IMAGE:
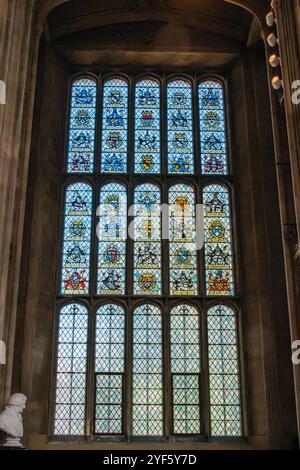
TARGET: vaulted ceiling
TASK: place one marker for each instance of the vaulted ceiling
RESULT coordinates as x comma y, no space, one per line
155,33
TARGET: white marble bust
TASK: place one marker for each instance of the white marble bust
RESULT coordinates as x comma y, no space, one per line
11,421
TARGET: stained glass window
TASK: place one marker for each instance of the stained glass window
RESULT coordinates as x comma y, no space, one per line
77,239
212,128
180,127
147,371
82,126
115,126
185,369
218,240
71,367
147,126
182,241
109,368
224,383
153,151
112,233
147,245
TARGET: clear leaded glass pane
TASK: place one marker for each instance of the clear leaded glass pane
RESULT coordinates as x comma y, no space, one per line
180,127
147,371
225,406
147,240
112,233
185,369
218,241
115,126
82,126
77,239
212,128
147,126
182,242
71,369
109,368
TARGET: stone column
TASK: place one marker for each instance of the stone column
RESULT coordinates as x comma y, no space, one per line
18,48
286,13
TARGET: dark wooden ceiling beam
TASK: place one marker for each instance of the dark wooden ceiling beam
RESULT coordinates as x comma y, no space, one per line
158,60
127,15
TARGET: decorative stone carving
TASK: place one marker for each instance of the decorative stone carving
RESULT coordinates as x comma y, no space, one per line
11,421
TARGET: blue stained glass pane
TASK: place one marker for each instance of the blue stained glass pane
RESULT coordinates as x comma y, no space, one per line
182,242
218,241
147,240
82,126
224,383
147,372
77,239
70,395
147,127
115,126
180,127
112,233
212,128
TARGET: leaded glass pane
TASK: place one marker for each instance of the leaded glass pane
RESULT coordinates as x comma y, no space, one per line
147,372
112,233
212,128
147,126
186,404
185,369
82,126
77,239
147,244
218,241
109,368
115,126
110,334
180,127
225,404
182,241
71,369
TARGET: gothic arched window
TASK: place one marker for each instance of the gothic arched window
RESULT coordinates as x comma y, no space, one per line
147,302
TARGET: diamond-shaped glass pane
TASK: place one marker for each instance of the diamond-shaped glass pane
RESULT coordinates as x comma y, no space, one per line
71,371
225,406
185,368
147,371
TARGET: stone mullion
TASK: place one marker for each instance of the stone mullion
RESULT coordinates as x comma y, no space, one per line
15,55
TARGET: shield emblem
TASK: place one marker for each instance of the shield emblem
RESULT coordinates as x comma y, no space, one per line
183,256
217,229
212,120
83,118
147,162
147,282
111,255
